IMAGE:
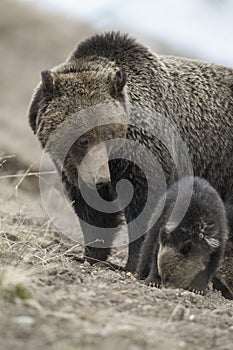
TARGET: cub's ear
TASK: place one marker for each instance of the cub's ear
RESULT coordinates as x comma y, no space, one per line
163,235
118,81
186,247
43,94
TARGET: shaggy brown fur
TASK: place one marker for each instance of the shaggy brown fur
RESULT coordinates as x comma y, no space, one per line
224,276
188,252
196,97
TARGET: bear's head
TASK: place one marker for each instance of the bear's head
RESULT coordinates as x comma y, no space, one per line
75,109
185,253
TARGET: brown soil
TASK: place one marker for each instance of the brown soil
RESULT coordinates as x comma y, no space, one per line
49,297
72,305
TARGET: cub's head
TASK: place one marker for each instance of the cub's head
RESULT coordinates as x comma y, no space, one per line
75,109
184,254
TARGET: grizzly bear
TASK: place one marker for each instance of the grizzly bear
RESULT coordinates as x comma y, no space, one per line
127,102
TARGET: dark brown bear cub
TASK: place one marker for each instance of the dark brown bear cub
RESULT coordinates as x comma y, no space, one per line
186,254
223,279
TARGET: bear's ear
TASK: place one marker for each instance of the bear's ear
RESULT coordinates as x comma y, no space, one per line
118,81
50,83
44,93
47,82
163,235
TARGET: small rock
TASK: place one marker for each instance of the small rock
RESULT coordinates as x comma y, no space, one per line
177,314
104,333
86,264
24,320
182,344
191,318
128,301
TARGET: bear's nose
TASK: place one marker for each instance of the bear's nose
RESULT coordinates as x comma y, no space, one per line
103,176
102,181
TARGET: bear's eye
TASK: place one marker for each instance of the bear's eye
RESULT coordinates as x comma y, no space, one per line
186,247
110,135
84,141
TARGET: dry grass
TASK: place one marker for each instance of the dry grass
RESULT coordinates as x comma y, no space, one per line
51,298
4,158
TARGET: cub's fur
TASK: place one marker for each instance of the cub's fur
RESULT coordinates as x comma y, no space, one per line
223,279
186,254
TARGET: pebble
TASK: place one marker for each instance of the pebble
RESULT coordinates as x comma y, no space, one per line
104,333
191,318
177,314
182,344
24,320
129,301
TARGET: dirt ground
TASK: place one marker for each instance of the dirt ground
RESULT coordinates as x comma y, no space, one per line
49,297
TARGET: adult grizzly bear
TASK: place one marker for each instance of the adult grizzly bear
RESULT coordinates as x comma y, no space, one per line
194,96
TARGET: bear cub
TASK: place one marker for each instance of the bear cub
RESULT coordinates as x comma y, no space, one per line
223,279
186,254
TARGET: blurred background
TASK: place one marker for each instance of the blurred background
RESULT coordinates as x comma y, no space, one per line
38,34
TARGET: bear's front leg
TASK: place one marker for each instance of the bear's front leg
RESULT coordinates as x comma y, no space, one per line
98,227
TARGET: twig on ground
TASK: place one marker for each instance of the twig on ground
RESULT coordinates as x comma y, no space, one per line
3,159
11,176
